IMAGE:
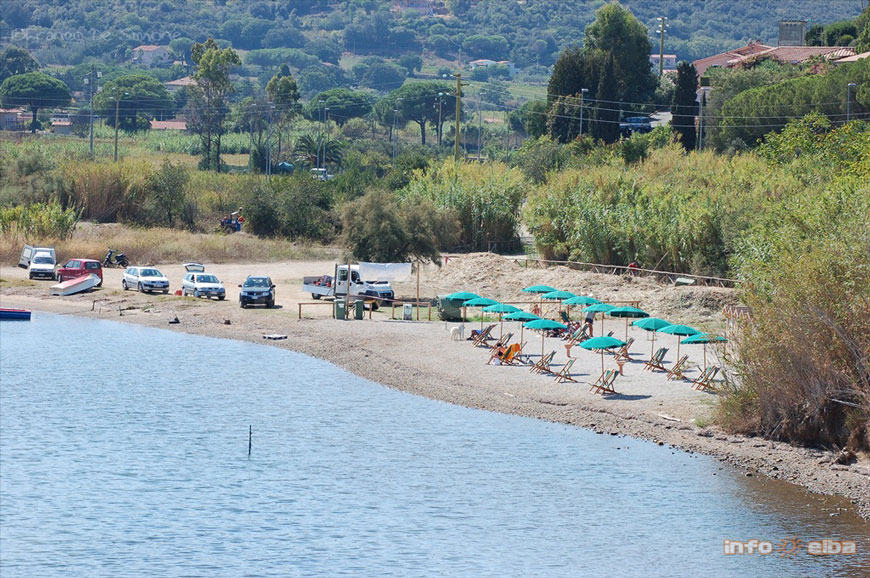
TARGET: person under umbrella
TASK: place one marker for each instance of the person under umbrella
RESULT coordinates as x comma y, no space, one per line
480,302
599,308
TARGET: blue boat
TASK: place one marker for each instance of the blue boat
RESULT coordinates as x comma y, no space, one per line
14,314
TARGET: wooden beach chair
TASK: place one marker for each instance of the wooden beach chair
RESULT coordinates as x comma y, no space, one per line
543,364
622,352
676,372
657,361
565,373
504,354
517,357
704,382
604,383
502,341
481,338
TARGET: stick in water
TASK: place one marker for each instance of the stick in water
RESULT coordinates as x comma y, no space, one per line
250,435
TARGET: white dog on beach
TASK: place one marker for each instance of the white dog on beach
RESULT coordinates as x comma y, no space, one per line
457,333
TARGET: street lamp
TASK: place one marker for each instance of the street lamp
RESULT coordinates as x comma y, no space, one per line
117,105
583,92
849,88
663,26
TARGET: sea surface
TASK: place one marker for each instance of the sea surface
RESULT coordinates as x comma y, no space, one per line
124,452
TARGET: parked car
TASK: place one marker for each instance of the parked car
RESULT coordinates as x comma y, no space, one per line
79,267
144,280
203,285
633,124
257,289
41,265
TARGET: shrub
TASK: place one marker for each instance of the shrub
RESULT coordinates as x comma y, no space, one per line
38,221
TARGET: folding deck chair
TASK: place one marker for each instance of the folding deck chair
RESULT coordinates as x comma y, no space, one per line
604,383
704,382
657,361
502,342
505,356
481,338
676,372
622,352
565,373
543,364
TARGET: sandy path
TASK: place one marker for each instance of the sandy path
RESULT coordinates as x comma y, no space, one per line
421,358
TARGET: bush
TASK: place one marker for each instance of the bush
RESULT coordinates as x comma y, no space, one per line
296,207
38,221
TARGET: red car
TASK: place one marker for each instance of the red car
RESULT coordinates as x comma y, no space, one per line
78,267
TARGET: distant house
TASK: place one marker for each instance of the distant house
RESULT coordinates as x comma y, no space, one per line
61,126
853,58
14,119
151,55
175,85
724,58
481,63
178,124
797,54
670,61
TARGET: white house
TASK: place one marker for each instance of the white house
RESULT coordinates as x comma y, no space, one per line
151,55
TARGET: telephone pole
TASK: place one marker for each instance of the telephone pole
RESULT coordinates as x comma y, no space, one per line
663,24
92,80
459,85
117,104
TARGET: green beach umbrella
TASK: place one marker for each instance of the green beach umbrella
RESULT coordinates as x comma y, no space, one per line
601,343
521,316
581,300
599,308
703,339
651,324
501,309
543,324
539,289
462,296
628,313
558,296
480,302
679,330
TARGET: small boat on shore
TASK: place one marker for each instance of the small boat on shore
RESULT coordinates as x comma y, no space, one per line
14,314
77,285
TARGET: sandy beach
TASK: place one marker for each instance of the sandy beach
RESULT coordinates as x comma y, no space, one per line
422,359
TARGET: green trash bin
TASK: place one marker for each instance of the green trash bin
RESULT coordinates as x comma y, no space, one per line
359,309
340,309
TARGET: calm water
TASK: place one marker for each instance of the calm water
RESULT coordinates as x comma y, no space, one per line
140,468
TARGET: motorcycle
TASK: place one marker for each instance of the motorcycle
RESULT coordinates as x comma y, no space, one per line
114,257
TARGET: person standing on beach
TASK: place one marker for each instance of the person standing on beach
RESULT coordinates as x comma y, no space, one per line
590,319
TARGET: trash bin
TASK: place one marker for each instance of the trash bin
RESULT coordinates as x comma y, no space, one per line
359,309
407,312
340,309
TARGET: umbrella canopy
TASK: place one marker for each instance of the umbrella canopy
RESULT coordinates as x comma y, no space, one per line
603,342
703,339
651,324
501,308
558,295
543,324
628,313
539,289
581,300
480,302
599,308
521,316
681,330
462,296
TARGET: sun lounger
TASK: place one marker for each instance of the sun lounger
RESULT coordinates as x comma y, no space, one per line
622,352
565,373
504,355
657,361
676,372
604,383
517,357
480,338
543,364
704,382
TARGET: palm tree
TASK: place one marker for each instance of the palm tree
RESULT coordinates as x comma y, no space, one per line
310,148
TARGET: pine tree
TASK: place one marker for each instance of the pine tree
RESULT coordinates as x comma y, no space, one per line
684,105
606,117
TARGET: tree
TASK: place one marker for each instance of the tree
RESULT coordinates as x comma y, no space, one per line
140,98
325,50
684,106
563,119
284,95
418,102
180,47
383,77
15,60
36,90
343,104
411,63
534,115
606,114
207,100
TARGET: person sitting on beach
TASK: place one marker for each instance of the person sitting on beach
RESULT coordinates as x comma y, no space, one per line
497,355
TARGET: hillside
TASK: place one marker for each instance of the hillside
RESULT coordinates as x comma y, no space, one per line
529,33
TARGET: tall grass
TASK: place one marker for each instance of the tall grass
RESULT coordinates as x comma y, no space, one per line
38,221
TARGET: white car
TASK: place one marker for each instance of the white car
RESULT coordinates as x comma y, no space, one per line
203,285
41,265
145,280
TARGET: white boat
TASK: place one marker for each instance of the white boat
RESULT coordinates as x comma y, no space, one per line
77,285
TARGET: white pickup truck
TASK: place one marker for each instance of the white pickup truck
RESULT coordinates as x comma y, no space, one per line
332,285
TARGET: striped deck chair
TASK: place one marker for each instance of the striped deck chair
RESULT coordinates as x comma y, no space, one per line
543,364
503,353
604,383
676,372
517,358
480,338
622,352
657,361
565,373
704,382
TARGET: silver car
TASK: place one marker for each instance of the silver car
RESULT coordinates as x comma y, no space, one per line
203,285
145,280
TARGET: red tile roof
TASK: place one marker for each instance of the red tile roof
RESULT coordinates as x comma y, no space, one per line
168,125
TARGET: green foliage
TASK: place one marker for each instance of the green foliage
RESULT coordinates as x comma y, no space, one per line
486,198
296,207
383,77
377,228
684,108
416,100
15,60
534,118
139,97
36,90
343,104
39,221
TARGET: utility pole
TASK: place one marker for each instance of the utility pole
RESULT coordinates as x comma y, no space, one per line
458,76
583,92
440,94
663,24
91,79
269,142
849,88
479,127
117,104
396,131
702,101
